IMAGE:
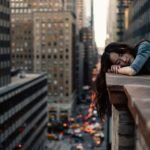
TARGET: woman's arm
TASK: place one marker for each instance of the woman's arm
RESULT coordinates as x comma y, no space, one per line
142,56
124,70
127,71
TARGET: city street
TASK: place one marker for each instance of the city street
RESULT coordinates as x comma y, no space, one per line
57,145
84,131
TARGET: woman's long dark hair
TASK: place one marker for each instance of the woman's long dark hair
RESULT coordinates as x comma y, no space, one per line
102,99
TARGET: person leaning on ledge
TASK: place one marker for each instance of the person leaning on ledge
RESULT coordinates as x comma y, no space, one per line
120,58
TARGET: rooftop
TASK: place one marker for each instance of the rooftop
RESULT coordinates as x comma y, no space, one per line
19,80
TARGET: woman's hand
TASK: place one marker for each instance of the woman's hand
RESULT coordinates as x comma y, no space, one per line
114,68
122,70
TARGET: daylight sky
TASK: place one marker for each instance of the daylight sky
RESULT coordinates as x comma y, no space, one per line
100,20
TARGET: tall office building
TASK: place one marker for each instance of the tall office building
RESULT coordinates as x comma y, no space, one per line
22,42
122,18
23,113
54,53
89,53
79,53
80,13
69,5
111,22
46,44
122,23
4,43
139,21
117,22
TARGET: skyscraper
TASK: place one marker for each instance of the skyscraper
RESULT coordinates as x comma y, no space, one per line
46,44
89,53
23,113
118,20
138,22
122,18
4,43
22,35
90,57
112,22
80,13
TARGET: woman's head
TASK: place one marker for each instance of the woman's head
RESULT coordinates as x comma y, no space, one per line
122,60
114,54
118,54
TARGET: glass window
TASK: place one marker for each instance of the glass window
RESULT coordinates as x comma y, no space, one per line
49,25
43,25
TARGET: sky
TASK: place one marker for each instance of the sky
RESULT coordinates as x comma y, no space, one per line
100,20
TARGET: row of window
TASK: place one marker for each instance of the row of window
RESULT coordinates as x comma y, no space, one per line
35,4
37,129
25,124
54,56
49,50
4,23
13,101
4,30
58,19
29,11
4,6
51,24
4,50
41,131
4,64
21,88
25,44
42,43
4,43
43,18
22,117
4,37
4,79
27,53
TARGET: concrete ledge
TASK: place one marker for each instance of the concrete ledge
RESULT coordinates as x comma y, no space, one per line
130,97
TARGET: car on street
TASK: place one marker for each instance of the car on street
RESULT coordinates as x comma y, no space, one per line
52,136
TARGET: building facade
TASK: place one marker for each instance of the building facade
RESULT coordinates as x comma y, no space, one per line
139,22
22,30
4,43
126,17
23,113
22,42
111,22
54,53
117,20
122,18
46,44
79,75
87,36
80,13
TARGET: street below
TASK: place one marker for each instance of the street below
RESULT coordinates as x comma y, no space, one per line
82,131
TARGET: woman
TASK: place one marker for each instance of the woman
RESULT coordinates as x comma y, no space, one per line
121,59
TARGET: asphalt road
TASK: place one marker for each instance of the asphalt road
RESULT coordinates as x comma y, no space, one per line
70,142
